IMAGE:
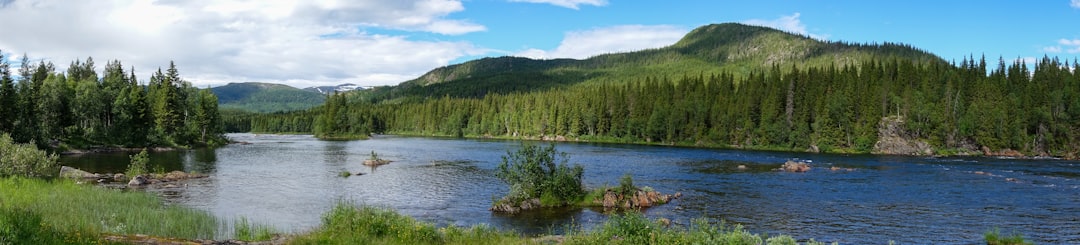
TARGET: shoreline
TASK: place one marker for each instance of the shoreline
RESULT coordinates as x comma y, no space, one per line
1002,154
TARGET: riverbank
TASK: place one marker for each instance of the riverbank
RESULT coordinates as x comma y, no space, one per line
946,152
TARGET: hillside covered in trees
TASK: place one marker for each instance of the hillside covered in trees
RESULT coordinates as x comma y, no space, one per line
728,85
265,97
80,109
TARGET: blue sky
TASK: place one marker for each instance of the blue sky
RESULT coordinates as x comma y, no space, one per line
384,42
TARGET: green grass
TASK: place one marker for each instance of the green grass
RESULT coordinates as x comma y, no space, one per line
246,231
350,224
994,237
67,208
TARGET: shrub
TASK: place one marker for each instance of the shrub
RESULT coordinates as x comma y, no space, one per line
24,159
138,163
537,171
626,185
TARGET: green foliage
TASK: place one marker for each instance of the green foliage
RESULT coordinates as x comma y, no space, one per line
24,159
87,210
350,224
539,172
374,156
344,174
994,237
626,185
139,164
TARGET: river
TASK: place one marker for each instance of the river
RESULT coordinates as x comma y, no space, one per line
289,181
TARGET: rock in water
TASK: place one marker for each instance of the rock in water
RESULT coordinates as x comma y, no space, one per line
377,162
797,167
139,181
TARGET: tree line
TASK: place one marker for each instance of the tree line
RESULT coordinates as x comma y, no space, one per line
963,106
78,108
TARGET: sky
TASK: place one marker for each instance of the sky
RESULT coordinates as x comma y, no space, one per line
305,43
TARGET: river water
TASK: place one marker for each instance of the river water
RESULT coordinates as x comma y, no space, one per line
289,181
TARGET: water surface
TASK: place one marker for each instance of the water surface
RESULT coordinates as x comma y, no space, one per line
289,181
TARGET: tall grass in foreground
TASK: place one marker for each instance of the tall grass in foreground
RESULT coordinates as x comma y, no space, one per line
66,207
350,224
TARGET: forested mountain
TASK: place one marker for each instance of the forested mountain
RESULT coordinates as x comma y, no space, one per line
730,85
731,48
266,97
81,109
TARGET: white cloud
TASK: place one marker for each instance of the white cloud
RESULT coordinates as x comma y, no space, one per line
1071,46
297,42
1075,4
584,44
1052,49
573,4
790,23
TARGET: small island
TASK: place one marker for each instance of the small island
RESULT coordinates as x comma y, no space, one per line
539,177
374,160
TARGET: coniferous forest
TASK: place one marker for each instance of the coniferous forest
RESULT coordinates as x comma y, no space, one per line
80,109
960,108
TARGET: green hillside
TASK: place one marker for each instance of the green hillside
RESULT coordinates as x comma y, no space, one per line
265,97
731,85
719,48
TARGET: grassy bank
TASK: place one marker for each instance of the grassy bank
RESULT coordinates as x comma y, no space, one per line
61,209
350,224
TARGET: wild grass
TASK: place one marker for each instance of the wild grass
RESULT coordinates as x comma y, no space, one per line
244,230
994,237
347,223
66,208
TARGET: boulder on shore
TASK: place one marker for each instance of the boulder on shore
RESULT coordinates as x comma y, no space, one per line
895,139
74,173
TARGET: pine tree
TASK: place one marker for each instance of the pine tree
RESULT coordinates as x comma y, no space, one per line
8,97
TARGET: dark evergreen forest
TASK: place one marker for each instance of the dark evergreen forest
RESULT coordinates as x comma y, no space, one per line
80,109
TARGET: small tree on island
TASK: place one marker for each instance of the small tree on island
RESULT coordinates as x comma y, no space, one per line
539,172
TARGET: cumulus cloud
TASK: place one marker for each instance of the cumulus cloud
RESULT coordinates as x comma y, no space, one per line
301,43
1075,4
1052,49
790,23
584,44
573,4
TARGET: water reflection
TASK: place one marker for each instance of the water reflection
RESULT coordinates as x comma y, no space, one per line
280,180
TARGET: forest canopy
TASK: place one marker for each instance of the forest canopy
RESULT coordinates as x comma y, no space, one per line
79,109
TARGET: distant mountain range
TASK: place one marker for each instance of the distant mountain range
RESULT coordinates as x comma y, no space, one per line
345,87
